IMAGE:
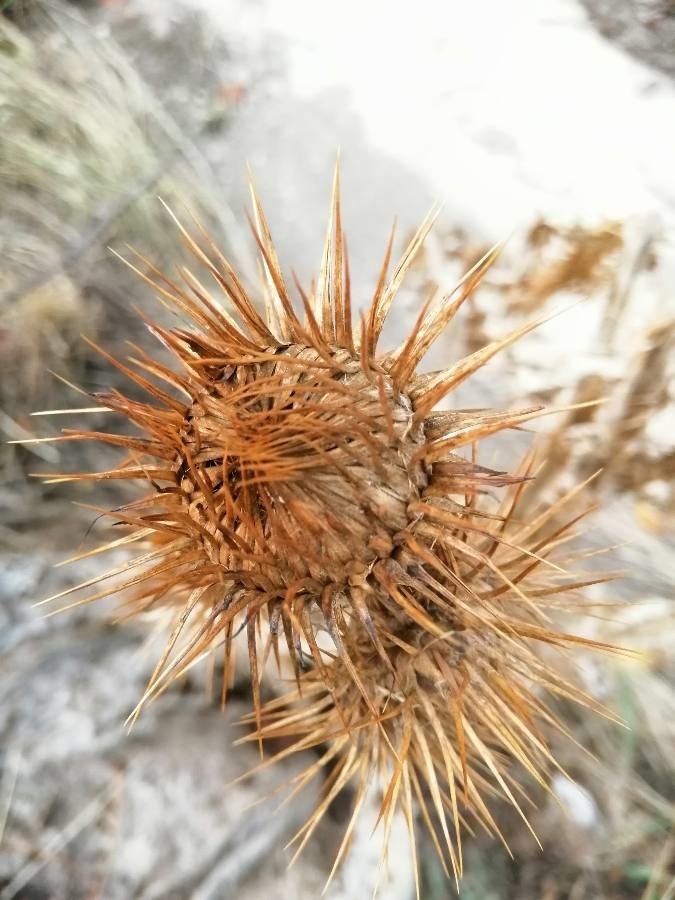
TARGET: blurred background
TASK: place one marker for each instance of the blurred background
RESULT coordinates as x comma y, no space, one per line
547,122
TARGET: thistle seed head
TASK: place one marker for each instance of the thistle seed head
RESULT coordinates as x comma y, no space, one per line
300,485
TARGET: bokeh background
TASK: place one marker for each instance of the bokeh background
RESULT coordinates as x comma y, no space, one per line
548,122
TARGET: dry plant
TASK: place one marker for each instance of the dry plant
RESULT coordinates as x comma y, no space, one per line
301,487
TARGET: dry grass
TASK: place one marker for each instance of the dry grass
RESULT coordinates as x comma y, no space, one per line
85,150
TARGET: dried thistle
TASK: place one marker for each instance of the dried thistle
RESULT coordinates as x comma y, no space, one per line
300,486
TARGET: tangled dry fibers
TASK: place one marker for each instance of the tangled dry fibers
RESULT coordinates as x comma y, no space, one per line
300,488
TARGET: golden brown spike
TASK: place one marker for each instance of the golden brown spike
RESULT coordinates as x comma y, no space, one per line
384,297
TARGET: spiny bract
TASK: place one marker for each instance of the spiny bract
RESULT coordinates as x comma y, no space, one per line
300,486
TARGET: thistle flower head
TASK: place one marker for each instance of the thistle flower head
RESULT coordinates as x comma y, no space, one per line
299,485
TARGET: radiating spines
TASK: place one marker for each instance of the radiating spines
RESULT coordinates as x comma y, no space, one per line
458,703
299,494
